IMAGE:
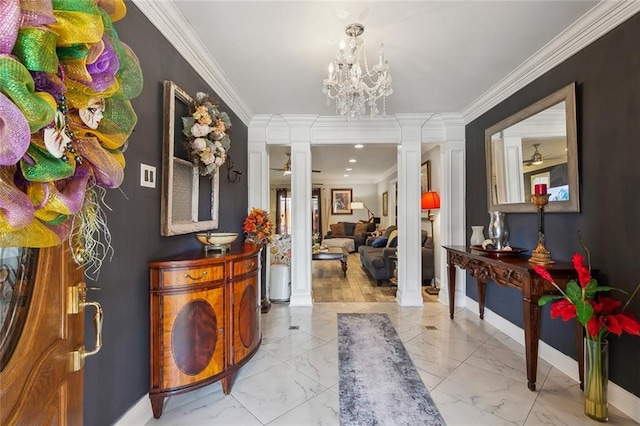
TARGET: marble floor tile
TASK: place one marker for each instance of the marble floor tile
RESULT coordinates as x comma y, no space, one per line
495,394
213,409
459,413
273,392
321,363
501,359
474,373
287,346
321,410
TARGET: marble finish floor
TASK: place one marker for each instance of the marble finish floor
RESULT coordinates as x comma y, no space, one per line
474,373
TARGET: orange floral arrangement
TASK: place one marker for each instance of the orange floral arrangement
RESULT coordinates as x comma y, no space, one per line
258,227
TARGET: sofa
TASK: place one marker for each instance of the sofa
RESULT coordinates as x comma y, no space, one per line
358,232
376,261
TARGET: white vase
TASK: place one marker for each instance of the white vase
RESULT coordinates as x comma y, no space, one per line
477,235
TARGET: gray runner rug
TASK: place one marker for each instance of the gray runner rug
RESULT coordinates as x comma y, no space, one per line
379,384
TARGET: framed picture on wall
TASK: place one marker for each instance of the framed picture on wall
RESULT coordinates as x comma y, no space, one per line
385,203
341,201
425,176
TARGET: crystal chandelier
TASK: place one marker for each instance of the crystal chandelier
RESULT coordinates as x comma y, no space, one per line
352,86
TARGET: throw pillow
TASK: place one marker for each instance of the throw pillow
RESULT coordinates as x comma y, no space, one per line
349,227
379,242
392,236
393,242
361,228
337,228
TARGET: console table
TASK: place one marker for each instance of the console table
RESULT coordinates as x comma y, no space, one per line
516,272
205,319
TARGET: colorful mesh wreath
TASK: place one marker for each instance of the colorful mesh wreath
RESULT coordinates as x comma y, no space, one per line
61,64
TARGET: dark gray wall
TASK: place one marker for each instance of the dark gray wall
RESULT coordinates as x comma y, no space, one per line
118,376
608,110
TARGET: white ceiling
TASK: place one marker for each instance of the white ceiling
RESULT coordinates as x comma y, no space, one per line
267,57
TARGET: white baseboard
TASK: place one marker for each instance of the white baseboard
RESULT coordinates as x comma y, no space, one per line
139,414
622,399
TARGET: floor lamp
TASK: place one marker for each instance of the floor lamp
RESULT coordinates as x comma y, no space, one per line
431,201
357,205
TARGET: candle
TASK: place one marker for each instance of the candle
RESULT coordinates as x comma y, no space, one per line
540,188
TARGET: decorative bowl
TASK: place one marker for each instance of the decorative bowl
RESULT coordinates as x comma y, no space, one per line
216,238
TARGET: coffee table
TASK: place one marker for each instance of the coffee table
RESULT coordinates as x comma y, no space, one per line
333,253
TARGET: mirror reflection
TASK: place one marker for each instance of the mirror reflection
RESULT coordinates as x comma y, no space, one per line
534,146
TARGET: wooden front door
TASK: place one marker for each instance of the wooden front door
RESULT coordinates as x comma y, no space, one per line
37,383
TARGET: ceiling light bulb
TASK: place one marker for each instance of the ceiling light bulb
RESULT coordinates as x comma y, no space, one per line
353,160
348,169
345,175
358,146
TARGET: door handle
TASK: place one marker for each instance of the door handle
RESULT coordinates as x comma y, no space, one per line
76,303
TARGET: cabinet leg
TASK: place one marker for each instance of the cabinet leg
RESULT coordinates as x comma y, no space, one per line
156,405
227,382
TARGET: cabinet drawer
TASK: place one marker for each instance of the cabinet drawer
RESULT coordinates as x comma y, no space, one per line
244,266
175,277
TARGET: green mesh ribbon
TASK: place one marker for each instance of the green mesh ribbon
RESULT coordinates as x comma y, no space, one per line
36,49
46,167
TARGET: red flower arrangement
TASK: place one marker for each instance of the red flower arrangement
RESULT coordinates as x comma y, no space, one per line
599,315
258,227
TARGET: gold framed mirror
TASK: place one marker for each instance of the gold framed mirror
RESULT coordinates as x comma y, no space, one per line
536,145
183,210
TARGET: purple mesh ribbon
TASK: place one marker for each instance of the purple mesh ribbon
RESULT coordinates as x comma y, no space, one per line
104,69
14,132
9,23
36,12
15,206
49,83
71,191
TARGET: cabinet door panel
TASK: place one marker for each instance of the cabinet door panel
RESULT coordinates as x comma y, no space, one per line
246,317
193,337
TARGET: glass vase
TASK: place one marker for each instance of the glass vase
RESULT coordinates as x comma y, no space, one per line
596,380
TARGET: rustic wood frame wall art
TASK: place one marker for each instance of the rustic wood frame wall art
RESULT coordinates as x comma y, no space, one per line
181,205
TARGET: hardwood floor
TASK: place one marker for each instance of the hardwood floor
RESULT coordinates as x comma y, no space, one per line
329,284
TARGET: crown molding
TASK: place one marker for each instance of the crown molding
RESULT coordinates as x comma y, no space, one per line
598,21
167,19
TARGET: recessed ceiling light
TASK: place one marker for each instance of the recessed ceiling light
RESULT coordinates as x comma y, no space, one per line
348,169
359,146
353,160
345,175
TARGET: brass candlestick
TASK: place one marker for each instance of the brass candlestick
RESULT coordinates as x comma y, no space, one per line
540,255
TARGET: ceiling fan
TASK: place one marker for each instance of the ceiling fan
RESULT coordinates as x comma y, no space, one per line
286,168
537,158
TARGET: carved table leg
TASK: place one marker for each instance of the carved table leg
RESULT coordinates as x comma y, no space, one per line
482,291
452,288
344,265
531,312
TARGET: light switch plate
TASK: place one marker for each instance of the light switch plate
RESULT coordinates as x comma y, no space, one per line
147,176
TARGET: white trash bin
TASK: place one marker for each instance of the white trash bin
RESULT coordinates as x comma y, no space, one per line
280,283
